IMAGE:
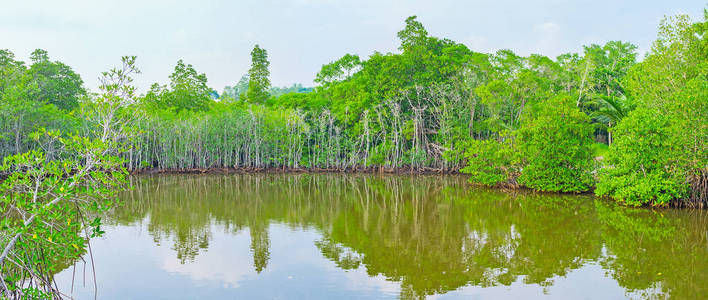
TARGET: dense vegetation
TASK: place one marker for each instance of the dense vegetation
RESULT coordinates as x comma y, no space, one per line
52,196
435,105
600,120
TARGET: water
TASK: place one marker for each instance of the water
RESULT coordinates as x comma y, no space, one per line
333,236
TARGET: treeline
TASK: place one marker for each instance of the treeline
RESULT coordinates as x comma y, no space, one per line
633,131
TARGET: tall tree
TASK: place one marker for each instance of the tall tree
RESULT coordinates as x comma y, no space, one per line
258,76
413,35
56,82
189,88
340,69
21,107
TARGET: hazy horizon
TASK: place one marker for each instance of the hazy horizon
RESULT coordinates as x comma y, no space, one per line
300,36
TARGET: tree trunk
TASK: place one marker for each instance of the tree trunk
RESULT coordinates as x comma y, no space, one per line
471,124
18,130
609,134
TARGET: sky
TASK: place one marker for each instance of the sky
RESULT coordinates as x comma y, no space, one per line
216,37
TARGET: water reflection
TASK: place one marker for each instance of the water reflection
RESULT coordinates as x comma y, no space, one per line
430,235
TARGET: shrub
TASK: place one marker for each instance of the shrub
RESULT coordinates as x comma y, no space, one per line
640,168
555,142
492,162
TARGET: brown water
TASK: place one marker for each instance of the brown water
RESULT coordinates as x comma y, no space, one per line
333,236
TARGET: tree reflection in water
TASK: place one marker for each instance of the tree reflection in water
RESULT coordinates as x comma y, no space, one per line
431,234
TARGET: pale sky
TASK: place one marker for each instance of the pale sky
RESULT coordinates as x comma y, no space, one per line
301,35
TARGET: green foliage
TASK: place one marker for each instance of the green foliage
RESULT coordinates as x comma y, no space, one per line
608,64
295,88
637,173
234,92
555,145
502,118
660,155
338,70
599,150
56,82
51,205
434,105
610,110
258,76
21,110
188,90
306,101
492,162
51,199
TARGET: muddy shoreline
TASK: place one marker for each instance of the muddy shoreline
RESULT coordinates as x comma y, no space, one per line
243,170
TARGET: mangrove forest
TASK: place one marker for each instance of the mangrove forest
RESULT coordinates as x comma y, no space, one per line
448,172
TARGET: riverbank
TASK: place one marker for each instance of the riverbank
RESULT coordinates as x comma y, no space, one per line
248,170
380,170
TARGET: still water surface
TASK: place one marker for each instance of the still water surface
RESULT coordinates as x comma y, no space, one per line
333,236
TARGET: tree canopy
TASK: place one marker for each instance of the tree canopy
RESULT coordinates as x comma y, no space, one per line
258,76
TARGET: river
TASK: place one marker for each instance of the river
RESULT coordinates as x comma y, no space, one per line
337,236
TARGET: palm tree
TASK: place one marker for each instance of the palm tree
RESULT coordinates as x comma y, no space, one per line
609,111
